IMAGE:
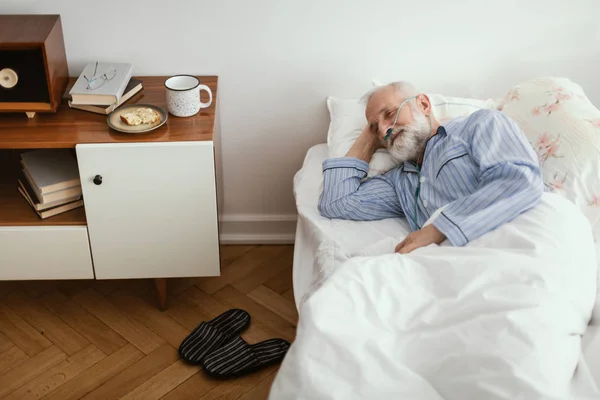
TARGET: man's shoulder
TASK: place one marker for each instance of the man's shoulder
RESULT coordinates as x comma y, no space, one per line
485,114
478,120
480,115
481,124
491,120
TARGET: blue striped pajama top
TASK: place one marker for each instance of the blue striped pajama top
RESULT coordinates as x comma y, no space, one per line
480,167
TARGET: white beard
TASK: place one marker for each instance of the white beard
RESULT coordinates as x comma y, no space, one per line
409,144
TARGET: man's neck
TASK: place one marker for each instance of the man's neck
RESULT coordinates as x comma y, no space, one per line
435,126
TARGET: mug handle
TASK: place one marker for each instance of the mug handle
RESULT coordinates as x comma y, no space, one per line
209,102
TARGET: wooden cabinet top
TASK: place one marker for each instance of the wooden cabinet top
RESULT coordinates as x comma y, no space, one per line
68,127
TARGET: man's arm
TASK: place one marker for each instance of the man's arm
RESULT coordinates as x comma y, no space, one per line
365,145
510,180
345,197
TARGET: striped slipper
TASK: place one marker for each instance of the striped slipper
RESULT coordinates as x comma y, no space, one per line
210,335
238,358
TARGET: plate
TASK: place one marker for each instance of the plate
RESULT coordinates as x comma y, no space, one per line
115,122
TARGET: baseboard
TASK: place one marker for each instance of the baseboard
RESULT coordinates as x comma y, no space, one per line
257,239
257,229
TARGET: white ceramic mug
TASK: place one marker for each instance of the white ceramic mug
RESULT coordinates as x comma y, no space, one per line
183,95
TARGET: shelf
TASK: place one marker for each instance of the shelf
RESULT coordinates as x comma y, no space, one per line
14,209
68,127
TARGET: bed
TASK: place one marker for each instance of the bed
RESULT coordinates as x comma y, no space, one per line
320,241
361,337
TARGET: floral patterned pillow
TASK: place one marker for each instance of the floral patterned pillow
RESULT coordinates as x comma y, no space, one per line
563,127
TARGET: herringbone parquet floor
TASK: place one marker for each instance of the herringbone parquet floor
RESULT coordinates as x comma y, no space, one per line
103,340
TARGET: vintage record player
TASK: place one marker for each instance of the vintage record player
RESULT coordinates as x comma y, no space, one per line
33,63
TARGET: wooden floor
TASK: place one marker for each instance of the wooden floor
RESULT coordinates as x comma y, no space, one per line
107,340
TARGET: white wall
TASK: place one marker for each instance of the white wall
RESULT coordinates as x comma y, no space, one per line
277,61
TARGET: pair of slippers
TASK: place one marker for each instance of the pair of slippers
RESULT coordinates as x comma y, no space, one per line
216,345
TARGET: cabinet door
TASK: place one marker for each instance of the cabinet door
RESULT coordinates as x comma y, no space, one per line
151,209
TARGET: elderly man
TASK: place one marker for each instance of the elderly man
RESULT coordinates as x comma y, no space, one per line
479,170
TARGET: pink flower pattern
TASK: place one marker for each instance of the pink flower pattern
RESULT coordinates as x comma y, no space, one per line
513,94
546,108
557,183
546,146
563,96
595,122
543,140
557,95
552,107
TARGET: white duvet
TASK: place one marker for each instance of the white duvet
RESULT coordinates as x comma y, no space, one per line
501,318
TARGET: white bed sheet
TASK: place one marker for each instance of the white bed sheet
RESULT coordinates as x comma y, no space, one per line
318,237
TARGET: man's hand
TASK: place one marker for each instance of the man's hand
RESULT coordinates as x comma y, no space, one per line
365,145
423,237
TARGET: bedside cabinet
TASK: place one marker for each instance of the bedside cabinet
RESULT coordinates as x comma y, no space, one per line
150,200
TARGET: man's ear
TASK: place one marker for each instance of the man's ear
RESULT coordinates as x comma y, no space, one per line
424,104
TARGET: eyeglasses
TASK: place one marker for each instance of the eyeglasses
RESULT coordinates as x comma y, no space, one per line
98,80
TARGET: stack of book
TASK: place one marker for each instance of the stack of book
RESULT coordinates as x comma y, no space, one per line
49,181
102,87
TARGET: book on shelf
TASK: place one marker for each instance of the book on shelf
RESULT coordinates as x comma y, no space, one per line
51,169
109,83
59,195
46,212
49,181
31,196
134,87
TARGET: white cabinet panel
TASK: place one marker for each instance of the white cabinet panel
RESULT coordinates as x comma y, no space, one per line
154,212
44,252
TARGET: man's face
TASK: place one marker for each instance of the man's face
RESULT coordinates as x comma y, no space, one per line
409,133
382,108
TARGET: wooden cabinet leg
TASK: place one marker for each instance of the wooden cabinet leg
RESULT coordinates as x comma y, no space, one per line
161,290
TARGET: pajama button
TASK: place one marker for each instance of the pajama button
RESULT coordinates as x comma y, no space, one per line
425,203
422,179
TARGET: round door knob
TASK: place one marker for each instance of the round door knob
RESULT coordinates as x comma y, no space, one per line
98,179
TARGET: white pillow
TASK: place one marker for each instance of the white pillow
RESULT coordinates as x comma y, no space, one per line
563,127
446,108
347,120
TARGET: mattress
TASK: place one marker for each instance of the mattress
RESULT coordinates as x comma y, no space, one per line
318,237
